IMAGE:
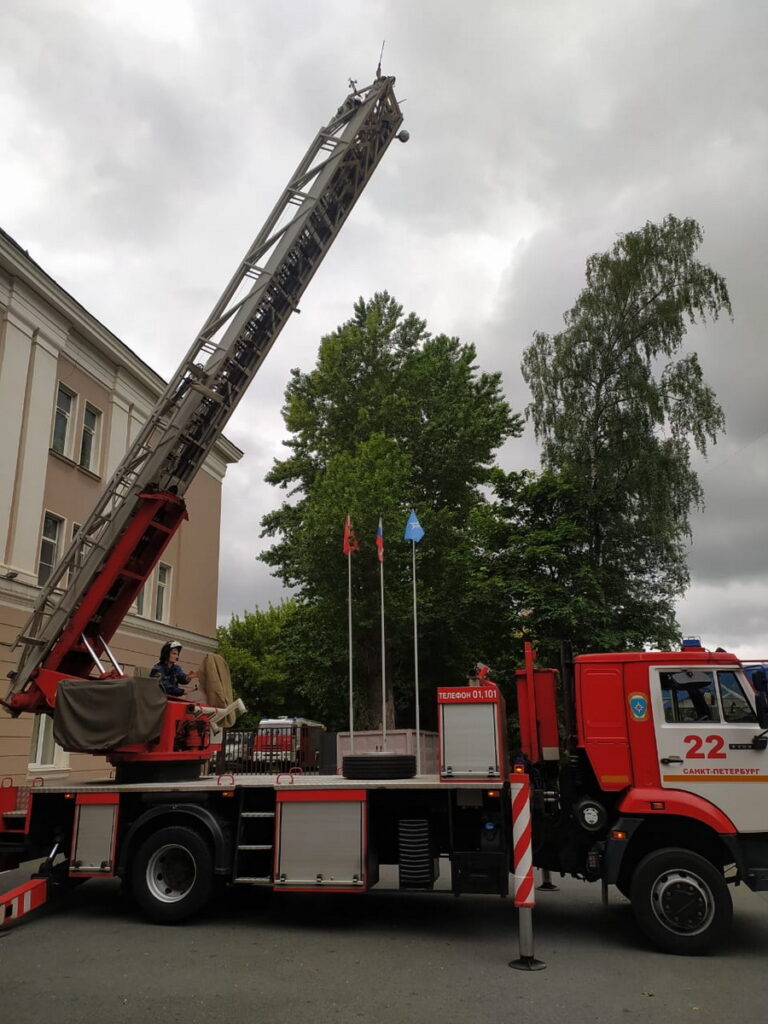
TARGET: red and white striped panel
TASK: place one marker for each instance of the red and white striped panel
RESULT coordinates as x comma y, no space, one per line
522,855
22,900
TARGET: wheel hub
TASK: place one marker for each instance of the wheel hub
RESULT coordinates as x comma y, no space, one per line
682,902
170,873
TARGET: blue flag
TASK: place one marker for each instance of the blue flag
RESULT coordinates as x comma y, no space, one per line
413,529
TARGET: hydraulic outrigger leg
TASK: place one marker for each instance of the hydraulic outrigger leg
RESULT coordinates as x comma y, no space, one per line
523,863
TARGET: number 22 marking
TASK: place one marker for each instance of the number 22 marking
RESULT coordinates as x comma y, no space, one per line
696,743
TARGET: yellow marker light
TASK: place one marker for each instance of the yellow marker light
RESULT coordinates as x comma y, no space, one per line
618,834
519,769
657,805
492,792
228,792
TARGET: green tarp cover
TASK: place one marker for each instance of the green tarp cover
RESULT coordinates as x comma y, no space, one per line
101,714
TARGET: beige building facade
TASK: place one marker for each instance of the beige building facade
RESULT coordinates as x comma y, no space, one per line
72,399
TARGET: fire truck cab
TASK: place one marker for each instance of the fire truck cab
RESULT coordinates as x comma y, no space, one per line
659,789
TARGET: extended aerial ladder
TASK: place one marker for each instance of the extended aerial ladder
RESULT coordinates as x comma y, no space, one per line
167,831
97,580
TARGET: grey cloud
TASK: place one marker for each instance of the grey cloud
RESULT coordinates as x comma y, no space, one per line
143,162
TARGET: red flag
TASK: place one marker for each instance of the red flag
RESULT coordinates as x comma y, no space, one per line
351,543
380,541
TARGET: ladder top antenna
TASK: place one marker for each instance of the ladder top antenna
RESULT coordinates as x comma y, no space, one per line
381,54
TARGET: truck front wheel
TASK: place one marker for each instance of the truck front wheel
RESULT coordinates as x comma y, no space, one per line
172,874
681,901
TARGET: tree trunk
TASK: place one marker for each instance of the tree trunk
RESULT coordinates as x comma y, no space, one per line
370,713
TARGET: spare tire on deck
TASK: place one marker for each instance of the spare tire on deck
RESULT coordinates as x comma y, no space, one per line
381,765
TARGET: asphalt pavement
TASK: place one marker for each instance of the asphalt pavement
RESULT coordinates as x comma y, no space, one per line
374,958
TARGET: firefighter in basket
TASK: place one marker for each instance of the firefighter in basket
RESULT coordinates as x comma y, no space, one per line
173,679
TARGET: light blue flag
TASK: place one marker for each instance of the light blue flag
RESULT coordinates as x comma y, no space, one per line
413,529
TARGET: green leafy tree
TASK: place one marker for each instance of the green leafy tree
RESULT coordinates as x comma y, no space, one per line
617,408
253,645
542,578
390,418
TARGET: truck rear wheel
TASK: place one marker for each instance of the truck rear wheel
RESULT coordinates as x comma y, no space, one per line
172,874
681,901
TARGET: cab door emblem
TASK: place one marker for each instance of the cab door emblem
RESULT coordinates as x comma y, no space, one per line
638,705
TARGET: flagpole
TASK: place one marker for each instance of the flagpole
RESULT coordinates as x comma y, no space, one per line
383,664
349,547
414,533
349,617
416,662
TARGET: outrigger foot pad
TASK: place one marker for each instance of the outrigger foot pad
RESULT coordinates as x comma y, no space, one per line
527,963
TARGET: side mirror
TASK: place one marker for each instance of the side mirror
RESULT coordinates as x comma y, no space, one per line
761,706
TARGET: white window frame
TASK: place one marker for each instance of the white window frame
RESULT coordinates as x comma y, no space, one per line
61,524
156,590
73,530
69,418
139,601
42,737
95,434
162,593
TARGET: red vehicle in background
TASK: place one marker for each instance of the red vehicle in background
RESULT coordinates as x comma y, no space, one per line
286,743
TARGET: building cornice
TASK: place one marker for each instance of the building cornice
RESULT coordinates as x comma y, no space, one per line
19,265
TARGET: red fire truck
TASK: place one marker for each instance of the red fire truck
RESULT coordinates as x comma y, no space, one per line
654,783
288,743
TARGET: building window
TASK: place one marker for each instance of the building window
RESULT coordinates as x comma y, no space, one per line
73,570
49,547
43,745
162,592
154,598
45,751
89,441
65,401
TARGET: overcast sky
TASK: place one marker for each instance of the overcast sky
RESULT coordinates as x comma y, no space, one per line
144,143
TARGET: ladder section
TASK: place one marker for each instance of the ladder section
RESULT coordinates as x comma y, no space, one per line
255,847
272,277
204,392
108,600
